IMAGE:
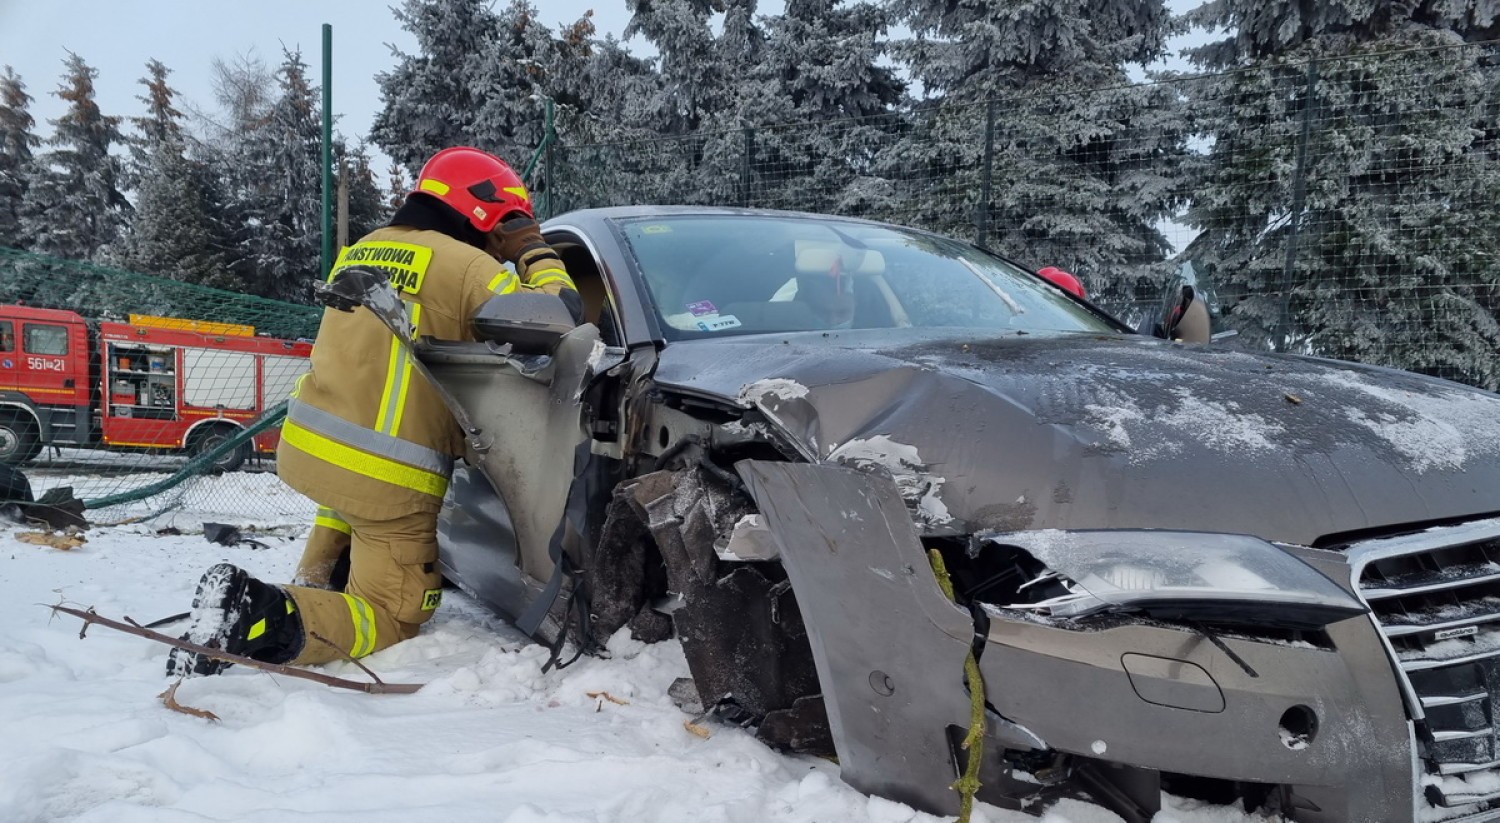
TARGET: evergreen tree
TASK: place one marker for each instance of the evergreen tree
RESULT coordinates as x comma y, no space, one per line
177,230
479,78
163,122
398,183
603,92
1082,157
75,206
16,143
431,96
279,201
819,73
607,99
695,81
704,81
521,68
368,206
1395,241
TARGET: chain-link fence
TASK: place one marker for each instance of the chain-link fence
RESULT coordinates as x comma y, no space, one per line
145,395
1344,207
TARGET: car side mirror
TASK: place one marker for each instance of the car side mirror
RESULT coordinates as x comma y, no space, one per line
1184,316
531,322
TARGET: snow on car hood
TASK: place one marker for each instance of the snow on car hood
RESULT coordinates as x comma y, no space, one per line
1093,431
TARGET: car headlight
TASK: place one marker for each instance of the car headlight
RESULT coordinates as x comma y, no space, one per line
1180,575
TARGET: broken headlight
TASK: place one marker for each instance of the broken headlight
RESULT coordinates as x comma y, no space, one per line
1194,576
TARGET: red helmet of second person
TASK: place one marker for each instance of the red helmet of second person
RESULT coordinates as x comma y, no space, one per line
1063,280
477,184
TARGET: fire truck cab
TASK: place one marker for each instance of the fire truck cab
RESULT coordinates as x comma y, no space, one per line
154,383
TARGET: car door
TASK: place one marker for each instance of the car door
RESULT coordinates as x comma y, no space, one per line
508,498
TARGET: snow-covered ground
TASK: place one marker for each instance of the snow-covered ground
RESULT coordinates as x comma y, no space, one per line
84,737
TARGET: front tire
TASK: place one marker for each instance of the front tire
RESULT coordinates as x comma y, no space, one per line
213,438
19,439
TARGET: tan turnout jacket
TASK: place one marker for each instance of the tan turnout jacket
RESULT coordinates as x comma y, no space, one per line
365,434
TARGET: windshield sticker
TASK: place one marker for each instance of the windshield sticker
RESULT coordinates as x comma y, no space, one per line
718,322
701,308
656,229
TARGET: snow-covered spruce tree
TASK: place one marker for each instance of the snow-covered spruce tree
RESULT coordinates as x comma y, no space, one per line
694,85
606,119
1083,158
368,207
1397,259
601,89
16,142
74,205
525,64
430,97
482,77
276,204
163,122
177,230
398,183
603,95
819,76
703,80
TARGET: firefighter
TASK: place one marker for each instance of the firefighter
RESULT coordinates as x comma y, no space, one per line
369,440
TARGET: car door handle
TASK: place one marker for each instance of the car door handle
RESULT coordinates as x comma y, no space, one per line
68,383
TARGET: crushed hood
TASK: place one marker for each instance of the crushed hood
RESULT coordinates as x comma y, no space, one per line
1095,432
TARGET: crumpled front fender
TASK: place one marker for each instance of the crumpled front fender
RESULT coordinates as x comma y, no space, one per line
892,685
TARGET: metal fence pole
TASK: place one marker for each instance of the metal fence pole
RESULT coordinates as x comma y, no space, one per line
549,205
1299,196
748,162
982,211
325,261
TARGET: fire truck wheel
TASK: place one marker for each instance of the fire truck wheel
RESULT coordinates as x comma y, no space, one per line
211,438
19,440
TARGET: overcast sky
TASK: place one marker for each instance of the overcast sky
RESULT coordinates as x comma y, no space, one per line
117,37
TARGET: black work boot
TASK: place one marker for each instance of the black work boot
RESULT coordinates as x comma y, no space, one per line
235,612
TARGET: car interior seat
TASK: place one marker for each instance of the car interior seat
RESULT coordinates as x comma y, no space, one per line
865,267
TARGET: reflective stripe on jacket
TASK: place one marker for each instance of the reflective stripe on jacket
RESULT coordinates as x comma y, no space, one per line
365,434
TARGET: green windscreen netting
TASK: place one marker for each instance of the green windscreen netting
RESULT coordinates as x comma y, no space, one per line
147,395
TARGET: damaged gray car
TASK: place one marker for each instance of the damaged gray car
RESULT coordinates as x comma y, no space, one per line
1265,580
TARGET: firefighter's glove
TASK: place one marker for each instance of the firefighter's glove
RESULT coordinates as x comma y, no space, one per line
518,240
515,238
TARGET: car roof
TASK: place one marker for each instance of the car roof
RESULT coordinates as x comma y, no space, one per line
628,212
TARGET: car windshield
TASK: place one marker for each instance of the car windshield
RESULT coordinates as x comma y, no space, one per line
712,275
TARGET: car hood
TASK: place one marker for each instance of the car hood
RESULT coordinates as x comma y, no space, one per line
1102,431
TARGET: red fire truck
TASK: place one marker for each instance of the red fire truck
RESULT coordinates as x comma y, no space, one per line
154,383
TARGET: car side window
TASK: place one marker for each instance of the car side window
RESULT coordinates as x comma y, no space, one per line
51,340
7,336
598,304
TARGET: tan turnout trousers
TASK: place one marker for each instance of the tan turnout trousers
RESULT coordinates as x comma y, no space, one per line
327,544
394,587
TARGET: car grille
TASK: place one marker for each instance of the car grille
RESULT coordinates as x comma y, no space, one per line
1436,597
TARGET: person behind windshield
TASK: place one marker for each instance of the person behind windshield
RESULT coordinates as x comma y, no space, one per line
829,295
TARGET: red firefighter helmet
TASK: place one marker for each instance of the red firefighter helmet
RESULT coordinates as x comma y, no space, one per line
1063,280
476,184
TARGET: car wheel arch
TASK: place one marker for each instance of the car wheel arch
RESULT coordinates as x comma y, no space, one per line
659,556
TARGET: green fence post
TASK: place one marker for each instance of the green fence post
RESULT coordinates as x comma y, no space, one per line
326,262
